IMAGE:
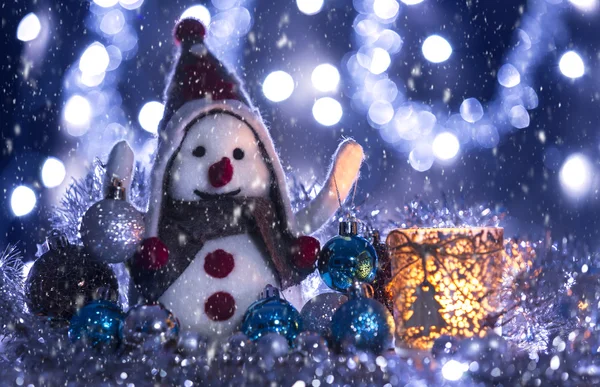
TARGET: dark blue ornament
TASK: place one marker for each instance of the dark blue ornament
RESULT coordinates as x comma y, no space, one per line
362,323
98,324
347,258
271,314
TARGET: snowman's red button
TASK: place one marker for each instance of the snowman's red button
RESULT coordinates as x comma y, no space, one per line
220,306
219,263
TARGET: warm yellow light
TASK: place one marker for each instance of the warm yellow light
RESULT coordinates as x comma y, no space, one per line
445,281
582,305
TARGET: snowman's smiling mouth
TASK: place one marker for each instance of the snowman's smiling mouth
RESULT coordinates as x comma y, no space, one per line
209,196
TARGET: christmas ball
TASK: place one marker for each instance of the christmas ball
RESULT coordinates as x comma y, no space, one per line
271,314
362,323
316,313
313,345
238,348
150,325
271,348
192,344
347,258
64,279
583,353
111,230
489,352
98,324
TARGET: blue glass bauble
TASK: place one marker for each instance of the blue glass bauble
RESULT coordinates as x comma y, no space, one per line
272,314
98,324
345,259
363,323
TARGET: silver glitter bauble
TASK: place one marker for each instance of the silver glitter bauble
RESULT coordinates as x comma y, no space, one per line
192,345
317,312
314,346
111,230
271,348
150,325
238,348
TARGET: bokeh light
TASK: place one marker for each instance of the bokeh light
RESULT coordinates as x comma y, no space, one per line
509,76
412,2
29,27
389,40
327,111
53,172
113,22
309,7
576,175
519,117
445,146
381,112
199,12
325,77
486,135
380,61
278,86
225,4
150,115
106,3
22,200
421,157
386,9
436,49
131,4
471,110
454,370
94,60
585,5
77,115
529,98
571,65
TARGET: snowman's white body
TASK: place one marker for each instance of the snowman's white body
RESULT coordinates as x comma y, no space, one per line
187,296
186,171
219,135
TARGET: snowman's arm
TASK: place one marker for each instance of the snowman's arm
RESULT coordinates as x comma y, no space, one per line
343,171
120,165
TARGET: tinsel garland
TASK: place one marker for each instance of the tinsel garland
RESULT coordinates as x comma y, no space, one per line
548,321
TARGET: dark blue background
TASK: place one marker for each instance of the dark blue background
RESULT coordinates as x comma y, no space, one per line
568,111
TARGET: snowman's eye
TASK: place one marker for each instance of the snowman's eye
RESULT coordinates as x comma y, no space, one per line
238,154
199,151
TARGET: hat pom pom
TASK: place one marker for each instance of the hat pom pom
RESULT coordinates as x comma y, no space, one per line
189,30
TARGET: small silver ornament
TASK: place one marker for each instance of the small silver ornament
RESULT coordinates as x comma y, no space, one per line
317,312
312,345
238,348
192,344
271,348
112,229
150,326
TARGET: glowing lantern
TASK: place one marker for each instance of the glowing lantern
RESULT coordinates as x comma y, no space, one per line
445,281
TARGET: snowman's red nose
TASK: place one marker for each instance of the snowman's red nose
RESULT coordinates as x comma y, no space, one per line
220,173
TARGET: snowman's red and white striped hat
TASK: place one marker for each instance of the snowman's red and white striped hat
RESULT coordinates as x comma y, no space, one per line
198,85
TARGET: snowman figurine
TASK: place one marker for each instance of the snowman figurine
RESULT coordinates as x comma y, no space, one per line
219,203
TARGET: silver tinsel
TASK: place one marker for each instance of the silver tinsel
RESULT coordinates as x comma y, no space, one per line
549,322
